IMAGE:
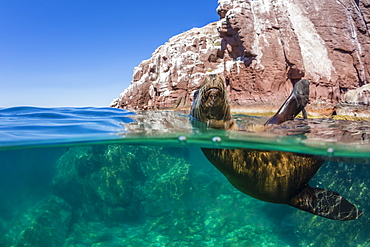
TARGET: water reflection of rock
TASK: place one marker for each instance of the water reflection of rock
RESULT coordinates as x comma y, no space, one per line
325,130
168,123
149,123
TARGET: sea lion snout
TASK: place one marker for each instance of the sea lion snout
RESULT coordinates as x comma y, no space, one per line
213,97
303,87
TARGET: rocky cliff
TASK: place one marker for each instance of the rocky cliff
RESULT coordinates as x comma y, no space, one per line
262,48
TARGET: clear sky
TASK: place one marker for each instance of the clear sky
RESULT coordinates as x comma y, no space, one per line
82,52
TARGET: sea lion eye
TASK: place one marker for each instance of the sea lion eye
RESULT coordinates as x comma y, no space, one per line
213,93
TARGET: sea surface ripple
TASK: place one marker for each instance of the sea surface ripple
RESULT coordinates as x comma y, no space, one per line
35,125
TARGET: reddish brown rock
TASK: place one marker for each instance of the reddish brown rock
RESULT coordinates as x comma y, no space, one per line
262,48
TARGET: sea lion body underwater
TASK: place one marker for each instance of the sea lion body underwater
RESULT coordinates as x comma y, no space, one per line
271,176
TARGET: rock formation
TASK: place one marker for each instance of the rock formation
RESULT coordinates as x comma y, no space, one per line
175,69
358,96
356,102
262,48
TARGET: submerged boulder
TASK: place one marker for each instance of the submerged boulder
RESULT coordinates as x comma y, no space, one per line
45,224
98,182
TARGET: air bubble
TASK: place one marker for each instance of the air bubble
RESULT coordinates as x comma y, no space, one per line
330,151
216,139
182,138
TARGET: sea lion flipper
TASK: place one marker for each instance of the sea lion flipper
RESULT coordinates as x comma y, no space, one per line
325,203
294,104
304,113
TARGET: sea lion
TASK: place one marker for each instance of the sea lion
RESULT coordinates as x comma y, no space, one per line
212,106
271,176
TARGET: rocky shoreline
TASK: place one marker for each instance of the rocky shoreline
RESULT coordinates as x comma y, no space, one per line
262,48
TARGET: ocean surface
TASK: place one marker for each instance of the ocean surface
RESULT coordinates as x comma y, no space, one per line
109,177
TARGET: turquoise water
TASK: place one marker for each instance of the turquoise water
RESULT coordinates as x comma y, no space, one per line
109,177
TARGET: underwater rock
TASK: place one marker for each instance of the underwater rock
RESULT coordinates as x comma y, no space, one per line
46,224
176,199
172,188
161,196
66,183
97,181
350,180
94,233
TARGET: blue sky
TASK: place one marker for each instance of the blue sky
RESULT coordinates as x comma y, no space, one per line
82,53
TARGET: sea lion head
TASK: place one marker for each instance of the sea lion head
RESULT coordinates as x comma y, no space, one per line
211,101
